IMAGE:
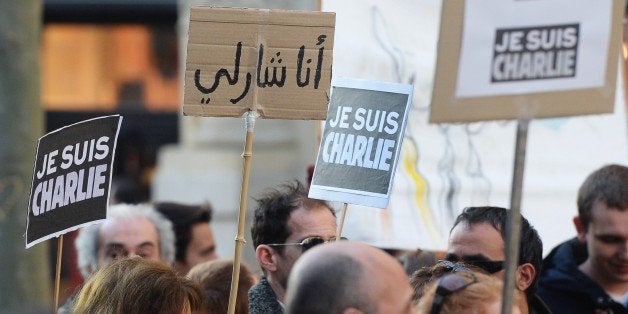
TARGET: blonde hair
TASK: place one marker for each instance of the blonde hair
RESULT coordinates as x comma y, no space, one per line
470,299
214,277
135,285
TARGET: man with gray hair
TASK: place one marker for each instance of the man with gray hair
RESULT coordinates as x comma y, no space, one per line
130,230
348,277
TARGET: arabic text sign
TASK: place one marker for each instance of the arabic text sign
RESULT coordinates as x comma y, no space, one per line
526,59
72,178
275,61
360,145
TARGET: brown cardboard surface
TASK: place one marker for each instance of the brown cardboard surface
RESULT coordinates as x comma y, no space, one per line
446,107
288,39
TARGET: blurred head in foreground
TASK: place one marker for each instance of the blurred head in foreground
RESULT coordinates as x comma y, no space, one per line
135,285
466,291
214,277
348,277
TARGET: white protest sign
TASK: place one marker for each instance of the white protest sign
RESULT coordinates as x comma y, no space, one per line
534,46
510,59
360,146
71,178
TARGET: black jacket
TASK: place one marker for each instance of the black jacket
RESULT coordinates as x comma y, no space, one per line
565,289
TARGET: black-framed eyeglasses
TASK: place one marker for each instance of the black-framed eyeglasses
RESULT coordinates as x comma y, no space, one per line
449,284
308,242
490,267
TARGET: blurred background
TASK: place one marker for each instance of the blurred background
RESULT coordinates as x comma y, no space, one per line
88,58
63,61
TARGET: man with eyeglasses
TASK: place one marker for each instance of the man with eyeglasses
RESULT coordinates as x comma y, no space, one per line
589,273
478,239
286,223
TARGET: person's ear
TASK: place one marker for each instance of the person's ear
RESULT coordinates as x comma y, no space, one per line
351,310
265,257
525,276
580,229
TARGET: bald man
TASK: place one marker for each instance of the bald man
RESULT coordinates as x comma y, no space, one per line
348,277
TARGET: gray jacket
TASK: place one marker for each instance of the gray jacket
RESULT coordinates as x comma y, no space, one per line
262,299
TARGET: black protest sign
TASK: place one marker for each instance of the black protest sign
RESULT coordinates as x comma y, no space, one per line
360,145
71,178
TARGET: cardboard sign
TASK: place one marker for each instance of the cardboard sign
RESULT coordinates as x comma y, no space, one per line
526,59
274,61
360,146
71,178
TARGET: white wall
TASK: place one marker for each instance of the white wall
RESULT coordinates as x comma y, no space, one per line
461,165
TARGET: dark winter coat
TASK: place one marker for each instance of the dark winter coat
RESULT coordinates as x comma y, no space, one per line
565,289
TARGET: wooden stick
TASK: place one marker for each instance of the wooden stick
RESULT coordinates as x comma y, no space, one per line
342,221
239,240
514,217
58,272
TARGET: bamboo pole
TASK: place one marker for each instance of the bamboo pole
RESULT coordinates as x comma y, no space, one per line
514,217
58,271
342,221
249,119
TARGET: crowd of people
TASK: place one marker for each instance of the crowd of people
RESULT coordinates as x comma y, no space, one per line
160,258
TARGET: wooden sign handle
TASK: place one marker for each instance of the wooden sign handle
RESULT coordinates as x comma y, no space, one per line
342,220
58,271
249,117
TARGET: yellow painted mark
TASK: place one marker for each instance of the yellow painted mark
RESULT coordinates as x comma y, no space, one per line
410,161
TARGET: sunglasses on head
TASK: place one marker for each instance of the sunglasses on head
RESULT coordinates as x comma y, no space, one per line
308,242
490,267
452,266
449,284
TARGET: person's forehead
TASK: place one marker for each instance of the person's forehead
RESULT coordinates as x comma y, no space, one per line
129,231
312,221
476,239
609,219
201,232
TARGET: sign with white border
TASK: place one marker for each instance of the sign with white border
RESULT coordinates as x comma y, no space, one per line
71,178
526,59
361,141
